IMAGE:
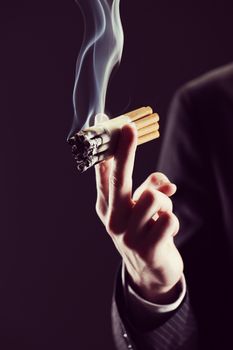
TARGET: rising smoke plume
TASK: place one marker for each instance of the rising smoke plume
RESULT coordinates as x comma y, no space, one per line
101,50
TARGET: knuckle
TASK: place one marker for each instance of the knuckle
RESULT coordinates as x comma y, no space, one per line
101,209
97,209
176,224
116,181
166,203
101,217
153,178
162,176
172,221
158,178
109,228
169,203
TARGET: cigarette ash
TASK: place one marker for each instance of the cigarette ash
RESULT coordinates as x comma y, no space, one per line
86,149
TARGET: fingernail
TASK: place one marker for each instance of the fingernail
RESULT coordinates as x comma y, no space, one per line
100,118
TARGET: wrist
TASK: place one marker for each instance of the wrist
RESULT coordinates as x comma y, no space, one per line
162,296
155,293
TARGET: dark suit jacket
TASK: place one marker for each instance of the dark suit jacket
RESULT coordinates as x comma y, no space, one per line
197,155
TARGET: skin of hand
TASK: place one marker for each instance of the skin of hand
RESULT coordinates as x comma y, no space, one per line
141,225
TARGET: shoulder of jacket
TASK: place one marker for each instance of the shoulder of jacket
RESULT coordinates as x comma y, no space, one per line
209,81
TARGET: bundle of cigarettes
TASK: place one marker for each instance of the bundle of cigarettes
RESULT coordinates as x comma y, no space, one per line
97,143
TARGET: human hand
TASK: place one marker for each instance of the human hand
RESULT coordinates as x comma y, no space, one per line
142,226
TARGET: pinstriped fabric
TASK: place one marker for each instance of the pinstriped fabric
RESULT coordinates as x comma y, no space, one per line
121,334
122,339
178,332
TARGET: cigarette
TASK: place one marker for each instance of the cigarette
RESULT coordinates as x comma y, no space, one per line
148,137
148,129
97,143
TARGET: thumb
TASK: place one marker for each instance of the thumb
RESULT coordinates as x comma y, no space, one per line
100,118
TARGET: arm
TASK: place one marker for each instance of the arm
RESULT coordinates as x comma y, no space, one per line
142,227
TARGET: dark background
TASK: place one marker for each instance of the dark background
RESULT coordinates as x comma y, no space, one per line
57,265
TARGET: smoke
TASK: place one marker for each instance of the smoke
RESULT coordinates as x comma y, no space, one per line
101,50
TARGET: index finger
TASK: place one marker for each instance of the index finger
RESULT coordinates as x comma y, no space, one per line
120,181
102,171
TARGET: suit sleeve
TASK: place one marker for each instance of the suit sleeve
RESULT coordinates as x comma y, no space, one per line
175,330
184,160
